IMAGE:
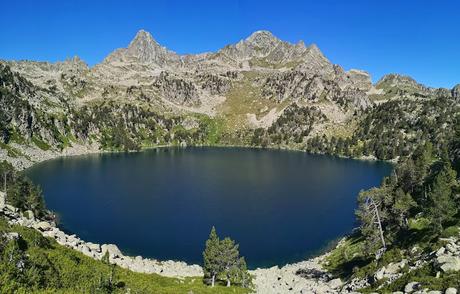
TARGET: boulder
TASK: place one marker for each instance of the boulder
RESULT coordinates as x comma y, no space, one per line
452,248
434,292
73,241
441,251
449,263
29,214
94,247
112,250
411,287
451,291
85,250
380,274
11,208
43,226
335,283
12,236
393,268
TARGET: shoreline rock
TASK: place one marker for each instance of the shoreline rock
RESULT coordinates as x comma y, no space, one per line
169,268
290,277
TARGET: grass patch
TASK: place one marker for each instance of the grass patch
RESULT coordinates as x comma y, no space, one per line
419,224
41,144
52,268
245,98
346,258
452,231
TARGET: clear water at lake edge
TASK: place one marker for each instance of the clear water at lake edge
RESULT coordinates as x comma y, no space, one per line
280,206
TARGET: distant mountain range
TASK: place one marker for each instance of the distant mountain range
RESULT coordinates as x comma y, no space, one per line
241,87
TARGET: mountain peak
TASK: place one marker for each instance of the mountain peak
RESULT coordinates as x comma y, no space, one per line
145,49
262,39
143,36
261,34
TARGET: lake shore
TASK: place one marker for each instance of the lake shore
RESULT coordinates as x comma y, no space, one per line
33,155
302,277
290,277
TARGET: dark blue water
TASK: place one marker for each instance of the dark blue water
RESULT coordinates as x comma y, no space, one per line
280,206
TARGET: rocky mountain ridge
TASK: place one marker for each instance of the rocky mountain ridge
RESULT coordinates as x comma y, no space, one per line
144,64
149,91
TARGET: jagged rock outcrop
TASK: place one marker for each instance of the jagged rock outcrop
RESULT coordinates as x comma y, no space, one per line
176,90
123,101
456,92
395,85
217,84
263,49
144,49
345,89
147,71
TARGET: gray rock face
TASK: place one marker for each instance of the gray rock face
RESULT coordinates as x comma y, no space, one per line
147,71
177,90
456,92
144,49
400,85
346,90
264,45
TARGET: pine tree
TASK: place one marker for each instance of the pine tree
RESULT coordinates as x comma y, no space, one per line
229,259
222,262
443,206
211,257
402,206
371,217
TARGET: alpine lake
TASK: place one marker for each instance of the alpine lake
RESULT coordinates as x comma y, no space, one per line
280,206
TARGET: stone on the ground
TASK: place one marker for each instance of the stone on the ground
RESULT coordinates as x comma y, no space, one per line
94,247
12,236
451,291
11,208
29,214
441,251
380,274
449,263
112,250
411,287
335,283
43,226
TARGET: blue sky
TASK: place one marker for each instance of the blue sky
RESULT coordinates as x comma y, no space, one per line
414,37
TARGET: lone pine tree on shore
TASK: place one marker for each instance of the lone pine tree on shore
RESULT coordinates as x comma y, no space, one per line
222,262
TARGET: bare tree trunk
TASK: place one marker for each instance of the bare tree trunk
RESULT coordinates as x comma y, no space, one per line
213,280
228,282
4,182
379,223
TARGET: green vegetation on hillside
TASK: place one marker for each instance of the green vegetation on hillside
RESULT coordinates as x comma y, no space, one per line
415,207
20,191
31,263
395,129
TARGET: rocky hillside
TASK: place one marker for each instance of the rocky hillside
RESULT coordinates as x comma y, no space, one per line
261,91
